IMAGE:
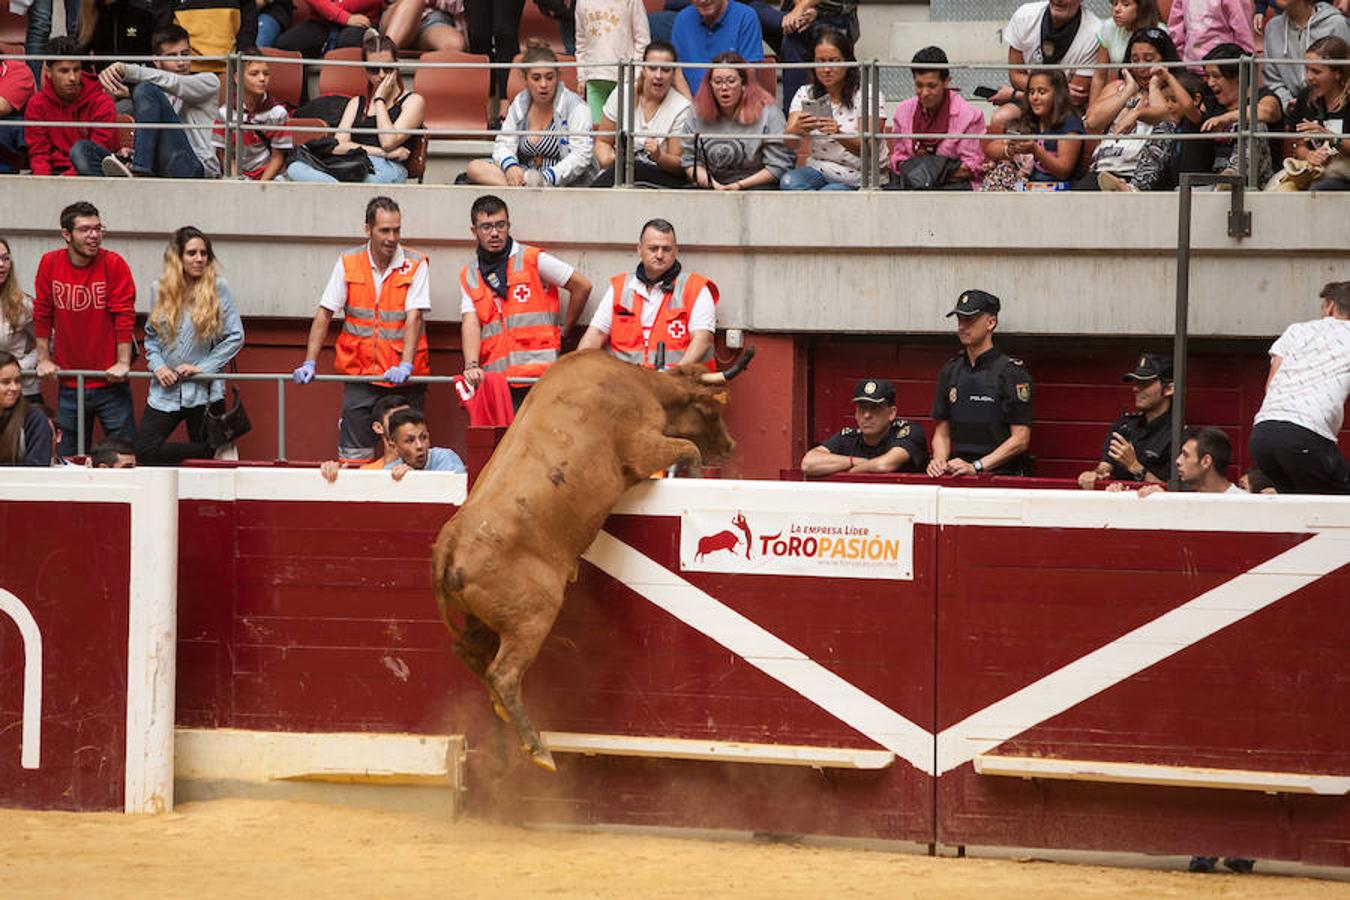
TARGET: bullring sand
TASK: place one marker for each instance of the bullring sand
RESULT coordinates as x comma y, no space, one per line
246,848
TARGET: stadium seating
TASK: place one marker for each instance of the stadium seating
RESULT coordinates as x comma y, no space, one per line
534,24
126,136
454,97
344,81
13,29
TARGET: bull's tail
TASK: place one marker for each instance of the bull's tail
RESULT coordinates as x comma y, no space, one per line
447,582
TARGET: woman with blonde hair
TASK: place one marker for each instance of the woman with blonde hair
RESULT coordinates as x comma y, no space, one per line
193,329
16,324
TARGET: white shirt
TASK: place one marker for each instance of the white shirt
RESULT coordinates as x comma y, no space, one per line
419,292
551,271
1313,380
669,117
1234,489
703,317
1023,32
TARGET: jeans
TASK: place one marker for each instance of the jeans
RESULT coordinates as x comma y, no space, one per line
40,30
12,147
809,179
156,426
268,30
315,37
111,405
386,172
86,157
167,154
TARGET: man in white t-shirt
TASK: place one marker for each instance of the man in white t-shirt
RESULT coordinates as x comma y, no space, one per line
1046,31
658,305
1202,464
511,316
1294,438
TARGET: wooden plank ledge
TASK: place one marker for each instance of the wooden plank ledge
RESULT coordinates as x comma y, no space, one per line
1164,776
717,751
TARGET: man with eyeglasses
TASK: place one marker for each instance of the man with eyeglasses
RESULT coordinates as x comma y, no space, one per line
85,301
511,315
166,93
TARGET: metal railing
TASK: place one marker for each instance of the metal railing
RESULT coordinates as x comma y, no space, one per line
281,379
872,136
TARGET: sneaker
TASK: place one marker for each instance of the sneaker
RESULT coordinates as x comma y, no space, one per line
113,167
1110,182
1238,865
227,451
1202,864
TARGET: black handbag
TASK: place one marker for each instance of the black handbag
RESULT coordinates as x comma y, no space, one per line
354,165
925,172
228,425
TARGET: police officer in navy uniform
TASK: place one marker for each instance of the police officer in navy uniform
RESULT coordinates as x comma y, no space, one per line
881,442
1139,445
983,402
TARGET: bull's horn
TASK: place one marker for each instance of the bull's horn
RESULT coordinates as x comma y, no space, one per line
736,369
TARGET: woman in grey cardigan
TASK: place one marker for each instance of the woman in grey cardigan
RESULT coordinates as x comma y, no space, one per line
193,328
726,147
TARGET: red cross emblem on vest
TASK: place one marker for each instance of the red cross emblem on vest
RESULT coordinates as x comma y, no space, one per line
677,330
521,292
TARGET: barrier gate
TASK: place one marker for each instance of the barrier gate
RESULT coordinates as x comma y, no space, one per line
976,667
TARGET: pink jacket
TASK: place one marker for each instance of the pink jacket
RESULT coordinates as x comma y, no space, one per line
965,119
1198,26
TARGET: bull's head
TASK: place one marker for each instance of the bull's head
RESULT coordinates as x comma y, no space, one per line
698,417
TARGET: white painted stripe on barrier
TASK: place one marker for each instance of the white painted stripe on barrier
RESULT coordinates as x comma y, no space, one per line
228,754
307,485
1162,776
1145,646
30,752
152,641
716,751
763,650
1014,508
671,496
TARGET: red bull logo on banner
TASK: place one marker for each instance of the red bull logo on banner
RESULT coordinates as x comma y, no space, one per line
822,545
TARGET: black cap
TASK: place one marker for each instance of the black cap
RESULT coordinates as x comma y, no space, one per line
1149,367
874,390
974,302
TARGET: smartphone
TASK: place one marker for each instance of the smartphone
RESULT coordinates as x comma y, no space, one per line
818,108
985,92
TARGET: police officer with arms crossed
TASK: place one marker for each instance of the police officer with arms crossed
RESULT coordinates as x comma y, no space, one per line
1294,439
983,401
1139,445
382,288
659,303
512,319
880,443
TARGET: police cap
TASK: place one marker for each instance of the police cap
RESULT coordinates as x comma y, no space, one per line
874,390
974,302
1149,367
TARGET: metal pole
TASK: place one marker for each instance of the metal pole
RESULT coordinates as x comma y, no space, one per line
1181,324
865,131
238,142
620,127
1244,123
1253,120
79,415
281,418
629,104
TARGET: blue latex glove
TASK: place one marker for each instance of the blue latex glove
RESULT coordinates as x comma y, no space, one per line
304,374
398,374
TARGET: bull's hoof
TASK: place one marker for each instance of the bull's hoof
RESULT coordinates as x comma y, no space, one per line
500,711
542,758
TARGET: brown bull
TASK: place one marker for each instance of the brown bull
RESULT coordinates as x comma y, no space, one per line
590,429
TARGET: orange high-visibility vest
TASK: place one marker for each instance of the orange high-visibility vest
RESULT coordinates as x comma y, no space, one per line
371,341
522,334
670,328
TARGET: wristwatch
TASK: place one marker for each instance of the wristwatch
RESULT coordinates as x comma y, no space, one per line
978,465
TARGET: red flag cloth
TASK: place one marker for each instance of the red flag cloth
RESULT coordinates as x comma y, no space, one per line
490,404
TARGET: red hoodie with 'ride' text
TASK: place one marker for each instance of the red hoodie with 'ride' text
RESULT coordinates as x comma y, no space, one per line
49,146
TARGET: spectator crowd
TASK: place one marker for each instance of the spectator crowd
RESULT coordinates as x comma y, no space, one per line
80,317
1167,74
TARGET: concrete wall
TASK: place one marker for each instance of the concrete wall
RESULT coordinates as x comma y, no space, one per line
867,263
